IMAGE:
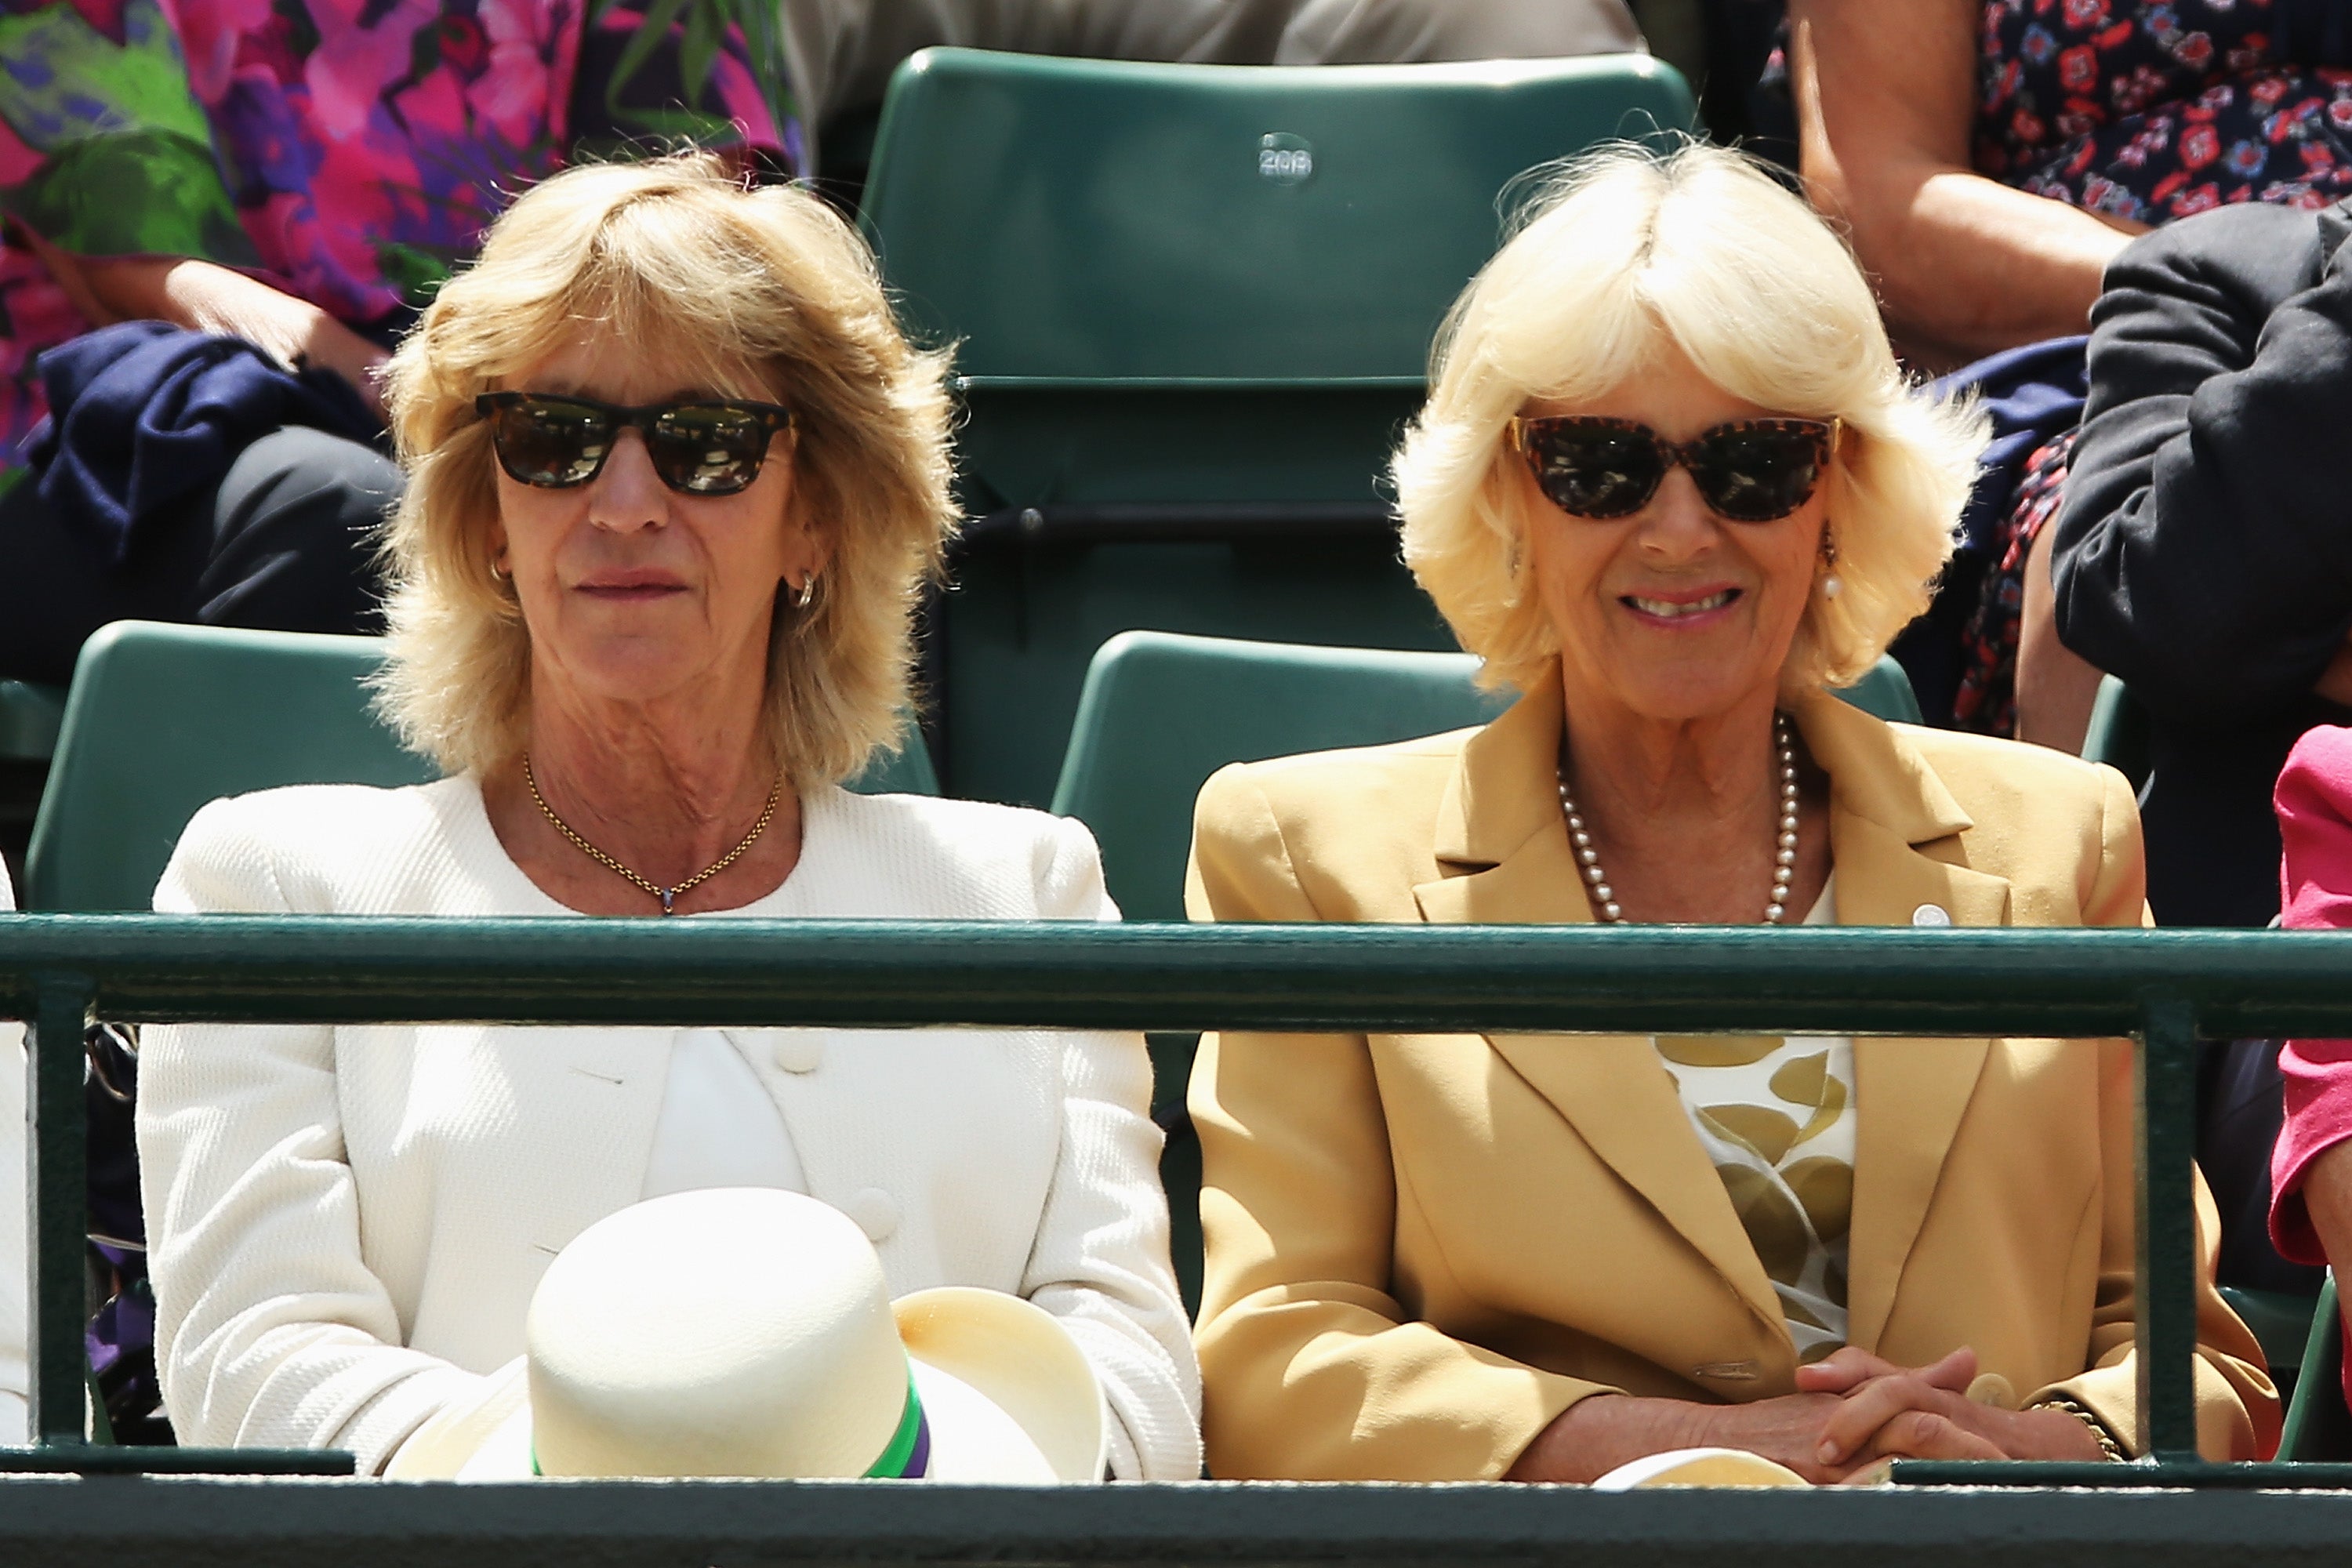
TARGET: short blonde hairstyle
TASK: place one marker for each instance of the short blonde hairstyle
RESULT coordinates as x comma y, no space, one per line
761,293
1620,252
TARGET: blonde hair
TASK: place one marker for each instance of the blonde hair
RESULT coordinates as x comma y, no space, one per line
764,293
1623,251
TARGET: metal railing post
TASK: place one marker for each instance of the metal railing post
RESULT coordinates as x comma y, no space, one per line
2165,1079
55,1194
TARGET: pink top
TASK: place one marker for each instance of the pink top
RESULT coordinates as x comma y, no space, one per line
2314,813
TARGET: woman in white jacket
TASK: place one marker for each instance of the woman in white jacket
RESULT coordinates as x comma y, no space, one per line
676,481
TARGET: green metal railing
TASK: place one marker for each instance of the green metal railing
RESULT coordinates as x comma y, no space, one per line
2167,988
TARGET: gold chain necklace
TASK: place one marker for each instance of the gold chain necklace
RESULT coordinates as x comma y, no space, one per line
668,895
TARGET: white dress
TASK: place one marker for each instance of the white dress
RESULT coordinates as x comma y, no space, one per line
346,1224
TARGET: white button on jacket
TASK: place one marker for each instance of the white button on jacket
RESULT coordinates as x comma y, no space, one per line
799,1051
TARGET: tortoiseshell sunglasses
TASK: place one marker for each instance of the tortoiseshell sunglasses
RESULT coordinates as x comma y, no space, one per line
1751,470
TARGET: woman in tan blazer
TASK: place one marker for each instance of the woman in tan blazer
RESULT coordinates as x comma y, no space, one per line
1671,486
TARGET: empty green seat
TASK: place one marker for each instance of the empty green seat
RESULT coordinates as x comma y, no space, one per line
2281,1322
29,717
1192,305
2117,734
163,719
28,733
2318,1428
1161,712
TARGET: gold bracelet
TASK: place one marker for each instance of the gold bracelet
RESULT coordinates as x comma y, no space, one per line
2108,1444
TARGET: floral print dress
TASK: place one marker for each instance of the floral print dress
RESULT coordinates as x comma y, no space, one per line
2148,111
349,151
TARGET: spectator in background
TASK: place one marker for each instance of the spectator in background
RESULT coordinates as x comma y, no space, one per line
2202,555
1991,158
2202,552
300,177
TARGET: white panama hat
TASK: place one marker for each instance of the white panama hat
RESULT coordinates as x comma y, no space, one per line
1699,1468
746,1331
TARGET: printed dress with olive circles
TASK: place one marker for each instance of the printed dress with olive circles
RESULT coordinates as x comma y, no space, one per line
1775,1118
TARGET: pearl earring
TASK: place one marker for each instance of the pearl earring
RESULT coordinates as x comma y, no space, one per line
1832,584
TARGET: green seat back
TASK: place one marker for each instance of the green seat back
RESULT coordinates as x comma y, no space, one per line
29,717
163,719
1884,692
1115,246
2117,735
1193,306
1160,714
2318,1428
2279,1320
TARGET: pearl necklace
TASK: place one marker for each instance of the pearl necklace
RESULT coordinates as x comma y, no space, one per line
1784,868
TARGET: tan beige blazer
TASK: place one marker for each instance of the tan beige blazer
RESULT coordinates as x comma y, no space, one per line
1422,1247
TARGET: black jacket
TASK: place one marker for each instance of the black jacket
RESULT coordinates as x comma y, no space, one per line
2204,550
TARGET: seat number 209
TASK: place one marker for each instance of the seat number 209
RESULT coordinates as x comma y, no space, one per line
1284,159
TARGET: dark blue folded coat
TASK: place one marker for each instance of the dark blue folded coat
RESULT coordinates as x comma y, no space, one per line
2032,394
145,418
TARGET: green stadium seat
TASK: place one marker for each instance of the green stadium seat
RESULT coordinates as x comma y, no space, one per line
2318,1428
1160,712
2281,1320
29,717
163,719
1191,307
2117,734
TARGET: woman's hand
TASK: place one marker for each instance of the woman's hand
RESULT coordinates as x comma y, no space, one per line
1851,1410
1595,1435
1885,1411
205,298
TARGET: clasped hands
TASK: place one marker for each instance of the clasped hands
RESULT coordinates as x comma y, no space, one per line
1850,1411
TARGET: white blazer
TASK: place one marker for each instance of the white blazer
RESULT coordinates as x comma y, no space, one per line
345,1225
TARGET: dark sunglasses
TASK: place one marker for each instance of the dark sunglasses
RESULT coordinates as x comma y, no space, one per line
1753,471
698,448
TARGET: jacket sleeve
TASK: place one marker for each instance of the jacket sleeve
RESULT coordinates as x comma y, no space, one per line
2202,553
270,1330
2237,1406
1100,1263
1311,1368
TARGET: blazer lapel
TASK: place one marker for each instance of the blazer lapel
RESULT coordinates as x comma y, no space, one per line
1500,823
1892,823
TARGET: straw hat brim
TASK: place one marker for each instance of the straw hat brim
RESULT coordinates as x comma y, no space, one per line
1010,1398
1699,1468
